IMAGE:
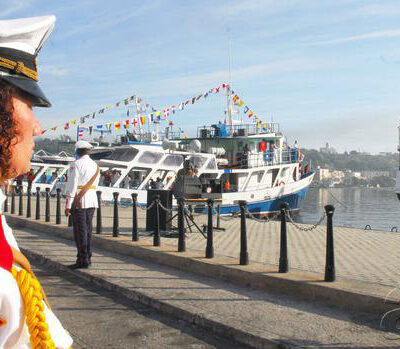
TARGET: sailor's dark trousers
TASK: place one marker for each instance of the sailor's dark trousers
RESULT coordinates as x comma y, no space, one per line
82,224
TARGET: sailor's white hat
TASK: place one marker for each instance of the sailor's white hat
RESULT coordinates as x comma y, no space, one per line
20,43
83,145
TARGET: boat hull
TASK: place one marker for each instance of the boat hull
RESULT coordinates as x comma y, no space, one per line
266,207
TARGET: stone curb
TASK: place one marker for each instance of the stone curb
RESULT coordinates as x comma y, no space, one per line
168,309
349,295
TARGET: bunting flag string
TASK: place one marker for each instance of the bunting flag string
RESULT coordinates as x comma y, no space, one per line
145,113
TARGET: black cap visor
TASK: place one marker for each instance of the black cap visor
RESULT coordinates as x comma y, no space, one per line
28,86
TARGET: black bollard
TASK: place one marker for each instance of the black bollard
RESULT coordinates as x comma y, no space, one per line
37,215
116,219
244,255
21,202
70,219
330,274
156,235
99,225
218,217
28,201
210,238
47,211
6,201
12,199
135,235
283,258
181,226
58,206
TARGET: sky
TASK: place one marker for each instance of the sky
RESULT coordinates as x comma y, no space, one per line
327,71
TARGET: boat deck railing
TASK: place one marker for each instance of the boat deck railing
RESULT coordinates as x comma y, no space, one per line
267,158
242,130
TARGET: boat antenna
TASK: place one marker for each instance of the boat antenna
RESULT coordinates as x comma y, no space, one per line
228,89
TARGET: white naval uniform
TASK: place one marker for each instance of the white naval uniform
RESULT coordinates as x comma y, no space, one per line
80,172
14,332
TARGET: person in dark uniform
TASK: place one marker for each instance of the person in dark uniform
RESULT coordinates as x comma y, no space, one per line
83,179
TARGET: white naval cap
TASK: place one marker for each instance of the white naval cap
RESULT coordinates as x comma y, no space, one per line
20,42
83,145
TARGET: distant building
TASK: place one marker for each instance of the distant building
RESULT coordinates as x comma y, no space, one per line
322,174
371,174
327,149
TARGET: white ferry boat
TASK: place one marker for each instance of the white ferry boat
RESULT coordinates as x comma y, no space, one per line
238,162
233,162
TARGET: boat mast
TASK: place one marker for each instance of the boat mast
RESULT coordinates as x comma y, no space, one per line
228,88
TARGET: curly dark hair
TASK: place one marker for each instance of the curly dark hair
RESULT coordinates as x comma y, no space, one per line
8,130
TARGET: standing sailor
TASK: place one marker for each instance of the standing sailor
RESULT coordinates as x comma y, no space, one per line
83,179
26,320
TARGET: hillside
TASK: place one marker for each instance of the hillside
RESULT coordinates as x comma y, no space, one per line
352,161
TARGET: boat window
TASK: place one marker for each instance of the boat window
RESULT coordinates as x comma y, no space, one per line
34,171
50,175
149,157
160,179
275,172
101,154
173,160
132,180
212,165
120,154
198,161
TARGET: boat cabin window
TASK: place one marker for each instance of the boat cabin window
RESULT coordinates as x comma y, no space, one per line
50,175
149,157
121,154
34,171
255,179
133,179
197,161
270,177
101,154
173,160
160,179
211,165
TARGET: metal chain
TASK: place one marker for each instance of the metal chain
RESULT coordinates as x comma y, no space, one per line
312,227
261,220
229,218
146,208
164,208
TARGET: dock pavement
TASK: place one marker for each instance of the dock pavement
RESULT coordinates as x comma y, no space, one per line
364,255
252,304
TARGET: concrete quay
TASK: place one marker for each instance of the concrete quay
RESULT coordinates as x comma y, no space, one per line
273,310
364,255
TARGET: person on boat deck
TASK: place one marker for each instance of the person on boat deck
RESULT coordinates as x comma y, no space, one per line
245,159
26,320
114,177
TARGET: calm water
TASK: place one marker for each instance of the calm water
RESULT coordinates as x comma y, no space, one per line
379,208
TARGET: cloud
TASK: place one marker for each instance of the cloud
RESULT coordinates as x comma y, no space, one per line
199,82
361,37
264,7
374,10
109,19
10,7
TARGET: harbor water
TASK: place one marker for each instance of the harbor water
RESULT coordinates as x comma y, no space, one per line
354,207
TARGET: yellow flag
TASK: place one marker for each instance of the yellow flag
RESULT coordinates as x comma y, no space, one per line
73,122
240,103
